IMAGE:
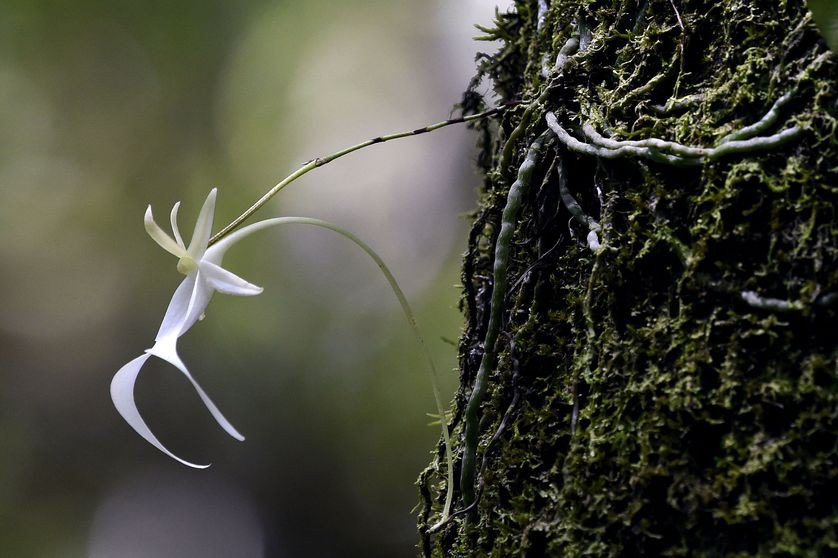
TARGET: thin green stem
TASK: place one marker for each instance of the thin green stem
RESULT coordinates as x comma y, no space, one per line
567,50
320,161
681,155
762,124
488,362
608,153
576,210
406,309
768,303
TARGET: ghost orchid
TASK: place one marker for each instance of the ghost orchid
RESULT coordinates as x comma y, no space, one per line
201,263
204,276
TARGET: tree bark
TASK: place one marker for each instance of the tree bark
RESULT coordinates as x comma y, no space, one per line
663,376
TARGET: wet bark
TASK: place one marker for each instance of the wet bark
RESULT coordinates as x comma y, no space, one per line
669,389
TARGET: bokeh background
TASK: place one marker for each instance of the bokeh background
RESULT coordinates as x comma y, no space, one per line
107,106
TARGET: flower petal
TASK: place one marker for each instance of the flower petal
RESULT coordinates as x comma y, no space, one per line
215,253
176,313
175,229
226,282
160,237
198,302
203,228
167,351
186,307
122,394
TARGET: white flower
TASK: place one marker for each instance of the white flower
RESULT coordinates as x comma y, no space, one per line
204,276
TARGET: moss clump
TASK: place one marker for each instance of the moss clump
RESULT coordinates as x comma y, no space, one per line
650,410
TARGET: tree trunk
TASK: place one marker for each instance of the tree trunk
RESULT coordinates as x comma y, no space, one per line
662,380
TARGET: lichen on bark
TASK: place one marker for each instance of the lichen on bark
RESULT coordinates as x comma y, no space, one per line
645,402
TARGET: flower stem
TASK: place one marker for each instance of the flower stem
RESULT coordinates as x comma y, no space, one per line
320,161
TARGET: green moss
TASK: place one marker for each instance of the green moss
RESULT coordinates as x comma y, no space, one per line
705,426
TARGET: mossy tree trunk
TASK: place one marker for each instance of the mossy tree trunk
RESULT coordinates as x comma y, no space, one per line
672,391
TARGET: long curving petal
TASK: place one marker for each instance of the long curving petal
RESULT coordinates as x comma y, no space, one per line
198,302
167,351
203,227
226,282
175,316
175,229
160,237
187,305
122,394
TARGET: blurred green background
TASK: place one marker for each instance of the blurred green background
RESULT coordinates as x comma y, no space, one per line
825,14
107,106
